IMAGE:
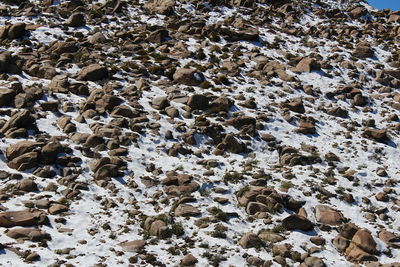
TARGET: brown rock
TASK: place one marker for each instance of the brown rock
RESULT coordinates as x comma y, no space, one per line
31,234
27,185
297,222
57,209
326,215
250,240
133,246
163,7
307,65
189,260
22,218
187,210
94,72
365,241
25,161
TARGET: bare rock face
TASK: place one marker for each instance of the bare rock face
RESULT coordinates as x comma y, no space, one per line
94,72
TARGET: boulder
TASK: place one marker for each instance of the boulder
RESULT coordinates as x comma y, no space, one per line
94,72
326,215
297,222
76,19
187,210
32,234
250,240
25,161
163,7
28,217
307,65
189,260
198,101
133,246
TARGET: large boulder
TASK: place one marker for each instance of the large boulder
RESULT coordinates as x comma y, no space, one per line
8,63
307,64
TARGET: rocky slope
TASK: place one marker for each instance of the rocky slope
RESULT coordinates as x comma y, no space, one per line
207,133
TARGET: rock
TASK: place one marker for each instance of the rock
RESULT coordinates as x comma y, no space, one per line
363,52
198,102
338,112
6,97
189,260
133,246
250,240
375,134
22,218
160,103
326,215
76,20
163,7
21,148
270,237
365,241
358,12
283,250
313,262
254,207
187,210
25,161
16,31
318,240
21,119
189,77
94,72
297,222
158,228
107,171
50,151
32,234
296,106
8,63
57,209
241,121
231,144
27,185
307,65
